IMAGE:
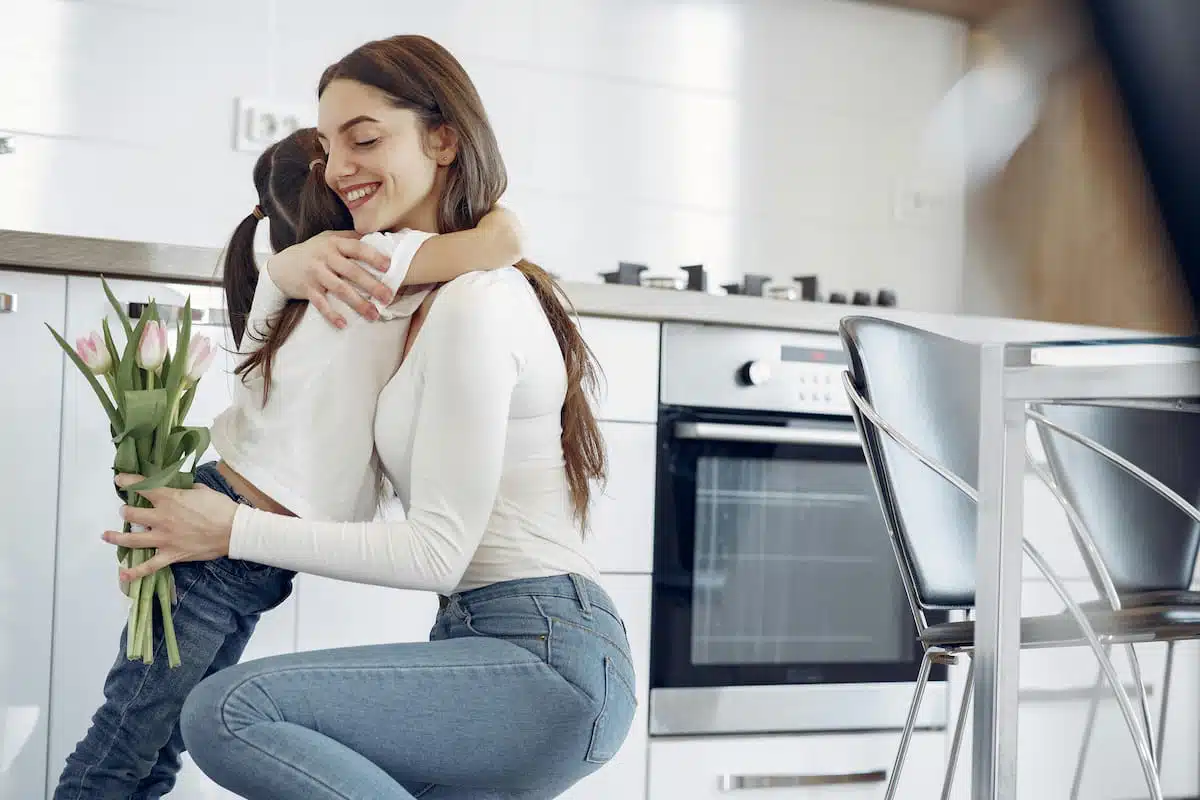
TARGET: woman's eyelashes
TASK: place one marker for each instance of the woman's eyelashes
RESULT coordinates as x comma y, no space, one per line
366,143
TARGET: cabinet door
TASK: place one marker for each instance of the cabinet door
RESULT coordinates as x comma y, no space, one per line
853,766
627,351
621,538
625,776
30,397
89,610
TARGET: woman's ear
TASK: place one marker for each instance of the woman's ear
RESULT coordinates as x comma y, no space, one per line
443,144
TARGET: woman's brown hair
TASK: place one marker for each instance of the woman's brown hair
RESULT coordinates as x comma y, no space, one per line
290,180
418,74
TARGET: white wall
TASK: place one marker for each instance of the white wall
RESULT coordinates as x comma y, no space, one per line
758,136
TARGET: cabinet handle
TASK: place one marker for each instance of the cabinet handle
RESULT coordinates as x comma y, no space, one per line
738,783
169,313
8,303
1077,693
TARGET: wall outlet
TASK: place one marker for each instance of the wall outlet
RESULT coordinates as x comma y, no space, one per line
918,202
258,123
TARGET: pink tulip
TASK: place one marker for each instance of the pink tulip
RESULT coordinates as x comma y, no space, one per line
94,353
153,347
199,357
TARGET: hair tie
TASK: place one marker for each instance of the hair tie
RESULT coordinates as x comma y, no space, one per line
258,212
314,163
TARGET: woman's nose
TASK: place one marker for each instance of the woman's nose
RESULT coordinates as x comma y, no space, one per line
338,164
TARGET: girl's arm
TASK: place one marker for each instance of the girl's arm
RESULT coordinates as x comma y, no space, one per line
337,263
496,242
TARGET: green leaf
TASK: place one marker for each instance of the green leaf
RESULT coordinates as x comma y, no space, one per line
116,360
185,404
126,459
183,480
144,409
114,416
159,479
183,341
121,315
128,373
188,441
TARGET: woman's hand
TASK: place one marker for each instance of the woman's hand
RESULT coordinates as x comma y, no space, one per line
328,263
184,525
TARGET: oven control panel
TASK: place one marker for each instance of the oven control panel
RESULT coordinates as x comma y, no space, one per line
755,370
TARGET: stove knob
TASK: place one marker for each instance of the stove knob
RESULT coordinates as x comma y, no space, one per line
754,373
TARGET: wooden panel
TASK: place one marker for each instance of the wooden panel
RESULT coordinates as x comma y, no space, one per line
1074,232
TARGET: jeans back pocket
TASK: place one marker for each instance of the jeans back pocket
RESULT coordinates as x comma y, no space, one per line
615,718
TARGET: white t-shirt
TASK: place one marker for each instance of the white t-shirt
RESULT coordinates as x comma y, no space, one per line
311,447
468,431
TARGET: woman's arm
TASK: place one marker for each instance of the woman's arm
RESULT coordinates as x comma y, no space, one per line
457,456
333,263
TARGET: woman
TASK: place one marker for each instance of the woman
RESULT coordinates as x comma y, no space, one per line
485,431
325,471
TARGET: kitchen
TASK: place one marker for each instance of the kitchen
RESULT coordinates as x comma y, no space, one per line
767,142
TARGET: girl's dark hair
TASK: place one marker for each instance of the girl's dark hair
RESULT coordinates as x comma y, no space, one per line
418,74
290,179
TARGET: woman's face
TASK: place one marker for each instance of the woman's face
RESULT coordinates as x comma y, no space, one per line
388,170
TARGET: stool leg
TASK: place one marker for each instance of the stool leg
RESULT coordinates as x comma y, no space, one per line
910,723
956,742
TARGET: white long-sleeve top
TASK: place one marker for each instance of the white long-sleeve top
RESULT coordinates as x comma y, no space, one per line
468,431
310,448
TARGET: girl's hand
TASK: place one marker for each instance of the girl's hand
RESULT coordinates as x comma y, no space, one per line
506,234
328,263
184,525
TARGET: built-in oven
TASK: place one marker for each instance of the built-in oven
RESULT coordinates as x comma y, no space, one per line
777,602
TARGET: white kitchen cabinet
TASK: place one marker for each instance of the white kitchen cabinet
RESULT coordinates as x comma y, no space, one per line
30,409
851,766
332,613
627,351
621,538
89,610
625,776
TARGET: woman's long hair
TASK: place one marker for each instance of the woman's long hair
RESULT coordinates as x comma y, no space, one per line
418,74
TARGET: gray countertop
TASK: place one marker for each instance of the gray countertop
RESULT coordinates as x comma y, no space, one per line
79,255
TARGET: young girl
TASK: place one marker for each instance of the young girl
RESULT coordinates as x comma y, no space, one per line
314,392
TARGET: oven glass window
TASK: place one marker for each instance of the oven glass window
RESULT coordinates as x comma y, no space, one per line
792,566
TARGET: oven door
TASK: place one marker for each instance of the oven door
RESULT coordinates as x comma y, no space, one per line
777,604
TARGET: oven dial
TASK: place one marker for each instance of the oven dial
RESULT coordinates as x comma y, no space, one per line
754,373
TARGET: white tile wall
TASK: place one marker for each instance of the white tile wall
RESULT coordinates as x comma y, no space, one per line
757,136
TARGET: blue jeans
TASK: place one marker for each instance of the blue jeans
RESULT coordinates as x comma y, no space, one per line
525,687
131,750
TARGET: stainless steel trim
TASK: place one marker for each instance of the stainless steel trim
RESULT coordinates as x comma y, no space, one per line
732,432
169,313
737,783
796,708
1076,693
8,303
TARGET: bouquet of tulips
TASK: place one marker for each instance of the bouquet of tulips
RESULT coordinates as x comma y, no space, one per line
146,394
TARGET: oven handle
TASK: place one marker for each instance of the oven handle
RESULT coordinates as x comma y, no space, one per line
737,783
767,434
